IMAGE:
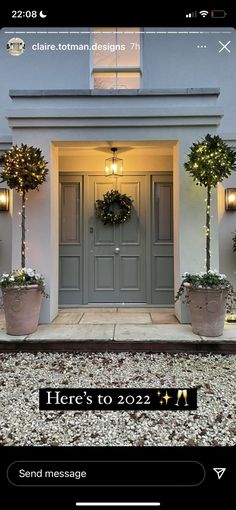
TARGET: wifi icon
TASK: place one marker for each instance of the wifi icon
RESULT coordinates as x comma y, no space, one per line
203,13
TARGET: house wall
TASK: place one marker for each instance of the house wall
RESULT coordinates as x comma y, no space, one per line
40,70
167,64
42,126
176,61
227,228
5,237
5,224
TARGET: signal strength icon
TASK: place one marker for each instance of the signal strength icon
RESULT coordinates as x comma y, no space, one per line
191,14
203,13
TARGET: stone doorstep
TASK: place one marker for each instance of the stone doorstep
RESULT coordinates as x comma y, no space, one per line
115,318
126,316
120,333
68,318
163,318
122,309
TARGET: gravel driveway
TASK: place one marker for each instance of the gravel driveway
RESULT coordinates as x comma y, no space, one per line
22,424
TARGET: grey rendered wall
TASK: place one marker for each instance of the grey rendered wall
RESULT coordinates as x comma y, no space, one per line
5,225
5,240
168,61
227,228
40,70
172,61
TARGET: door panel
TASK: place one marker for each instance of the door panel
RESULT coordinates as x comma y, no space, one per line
103,236
129,273
130,231
104,273
69,272
163,213
117,252
70,227
70,248
162,240
163,271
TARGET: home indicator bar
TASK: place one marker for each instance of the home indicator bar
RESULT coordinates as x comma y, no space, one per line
119,504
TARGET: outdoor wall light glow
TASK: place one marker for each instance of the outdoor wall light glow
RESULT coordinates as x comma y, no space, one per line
230,199
4,199
113,165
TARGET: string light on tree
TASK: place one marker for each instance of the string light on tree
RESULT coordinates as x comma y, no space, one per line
24,169
210,161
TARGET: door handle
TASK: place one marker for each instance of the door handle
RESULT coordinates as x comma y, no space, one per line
117,250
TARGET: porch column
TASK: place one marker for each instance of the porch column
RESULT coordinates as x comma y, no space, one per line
189,221
41,223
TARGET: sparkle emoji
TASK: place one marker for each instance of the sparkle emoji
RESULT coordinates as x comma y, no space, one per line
166,397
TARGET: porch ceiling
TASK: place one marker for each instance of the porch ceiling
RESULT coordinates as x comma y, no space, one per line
152,148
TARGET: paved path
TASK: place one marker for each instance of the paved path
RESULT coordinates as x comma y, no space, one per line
118,329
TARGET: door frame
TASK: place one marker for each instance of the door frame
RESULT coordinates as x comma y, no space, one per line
148,226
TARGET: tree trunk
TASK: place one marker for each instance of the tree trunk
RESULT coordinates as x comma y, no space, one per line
208,229
23,247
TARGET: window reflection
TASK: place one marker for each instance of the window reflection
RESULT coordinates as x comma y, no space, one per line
116,80
116,58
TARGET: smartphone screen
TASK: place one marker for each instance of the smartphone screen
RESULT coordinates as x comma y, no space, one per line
117,257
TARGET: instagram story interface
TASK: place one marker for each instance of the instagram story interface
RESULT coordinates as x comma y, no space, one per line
117,260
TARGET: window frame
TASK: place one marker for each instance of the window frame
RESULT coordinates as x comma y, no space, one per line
115,69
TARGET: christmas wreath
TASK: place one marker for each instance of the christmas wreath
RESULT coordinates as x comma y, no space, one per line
115,208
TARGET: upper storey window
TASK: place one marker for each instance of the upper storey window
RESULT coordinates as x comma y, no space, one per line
116,58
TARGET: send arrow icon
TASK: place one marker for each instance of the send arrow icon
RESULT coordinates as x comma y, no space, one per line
219,472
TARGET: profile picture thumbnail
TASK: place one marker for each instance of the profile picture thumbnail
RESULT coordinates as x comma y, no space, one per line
15,46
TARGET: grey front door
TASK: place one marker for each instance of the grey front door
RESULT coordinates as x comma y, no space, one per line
116,253
129,263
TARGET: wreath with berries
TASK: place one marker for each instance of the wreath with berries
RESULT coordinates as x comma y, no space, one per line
114,209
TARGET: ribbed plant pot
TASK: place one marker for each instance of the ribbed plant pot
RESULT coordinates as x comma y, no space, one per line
22,308
207,311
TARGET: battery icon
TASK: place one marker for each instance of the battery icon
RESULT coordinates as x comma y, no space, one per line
218,14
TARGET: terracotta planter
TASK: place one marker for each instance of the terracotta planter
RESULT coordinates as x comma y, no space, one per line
22,308
207,311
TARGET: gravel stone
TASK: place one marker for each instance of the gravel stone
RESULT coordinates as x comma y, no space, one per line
22,424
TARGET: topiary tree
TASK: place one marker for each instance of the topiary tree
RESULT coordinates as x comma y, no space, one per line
24,169
209,162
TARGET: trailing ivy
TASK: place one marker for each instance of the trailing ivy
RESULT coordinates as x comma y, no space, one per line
210,280
234,242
